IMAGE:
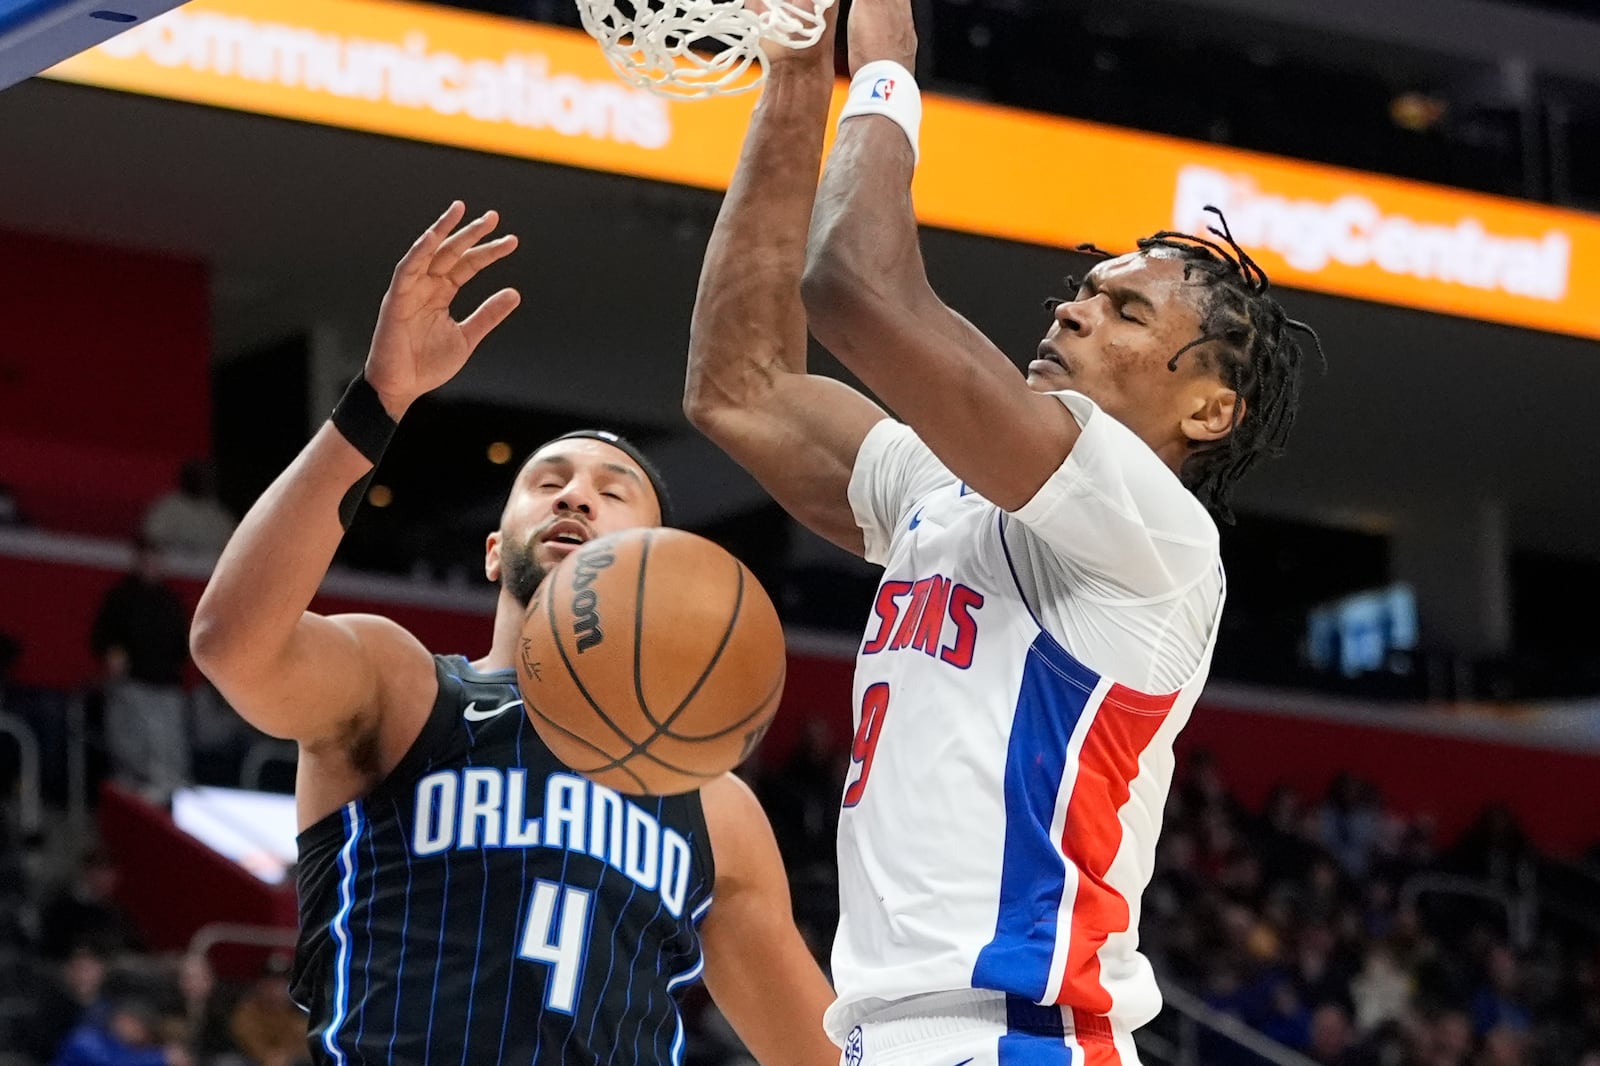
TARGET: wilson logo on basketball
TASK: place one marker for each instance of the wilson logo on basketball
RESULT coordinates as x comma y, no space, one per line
585,601
691,669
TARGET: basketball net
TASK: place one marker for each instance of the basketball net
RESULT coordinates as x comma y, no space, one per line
690,49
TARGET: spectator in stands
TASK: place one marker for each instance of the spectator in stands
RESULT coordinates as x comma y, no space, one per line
84,914
191,519
141,638
1449,1040
1348,823
1354,971
1203,789
1495,849
1286,1017
1503,1046
121,1031
1381,991
207,1013
1376,912
1414,949
267,1026
1317,895
1392,1044
58,1005
1281,843
1498,1002
1330,1036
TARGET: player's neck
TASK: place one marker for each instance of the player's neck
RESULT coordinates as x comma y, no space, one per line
1172,451
507,635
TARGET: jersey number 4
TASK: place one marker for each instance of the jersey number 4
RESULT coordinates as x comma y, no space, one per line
559,938
874,707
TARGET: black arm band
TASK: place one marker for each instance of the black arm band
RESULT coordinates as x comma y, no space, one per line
352,501
360,418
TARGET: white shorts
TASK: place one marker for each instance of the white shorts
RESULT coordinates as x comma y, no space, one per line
984,1029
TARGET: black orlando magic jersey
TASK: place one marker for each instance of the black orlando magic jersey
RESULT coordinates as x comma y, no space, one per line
486,905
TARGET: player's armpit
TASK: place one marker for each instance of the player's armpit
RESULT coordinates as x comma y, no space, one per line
341,760
758,969
799,435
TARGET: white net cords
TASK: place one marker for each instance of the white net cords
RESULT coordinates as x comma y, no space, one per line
666,45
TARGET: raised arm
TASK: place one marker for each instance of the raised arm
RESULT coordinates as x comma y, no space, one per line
868,301
758,969
299,675
747,386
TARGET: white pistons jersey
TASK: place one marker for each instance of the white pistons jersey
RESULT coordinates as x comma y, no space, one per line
1018,690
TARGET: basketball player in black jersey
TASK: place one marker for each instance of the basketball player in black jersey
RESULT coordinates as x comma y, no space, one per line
465,898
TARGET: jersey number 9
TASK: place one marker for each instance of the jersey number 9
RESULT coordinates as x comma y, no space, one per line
874,707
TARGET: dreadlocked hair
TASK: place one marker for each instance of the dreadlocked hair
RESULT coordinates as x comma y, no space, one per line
1255,347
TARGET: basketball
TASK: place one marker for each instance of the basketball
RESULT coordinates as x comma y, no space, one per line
651,661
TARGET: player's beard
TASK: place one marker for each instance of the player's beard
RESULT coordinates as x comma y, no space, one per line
520,573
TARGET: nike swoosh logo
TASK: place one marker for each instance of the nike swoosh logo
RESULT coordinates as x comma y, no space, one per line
472,714
963,1062
916,519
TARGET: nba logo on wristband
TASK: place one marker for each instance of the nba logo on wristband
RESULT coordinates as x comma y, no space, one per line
887,89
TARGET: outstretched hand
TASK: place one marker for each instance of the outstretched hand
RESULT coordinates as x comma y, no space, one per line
882,29
417,346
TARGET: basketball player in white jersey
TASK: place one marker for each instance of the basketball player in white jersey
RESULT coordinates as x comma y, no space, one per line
1052,582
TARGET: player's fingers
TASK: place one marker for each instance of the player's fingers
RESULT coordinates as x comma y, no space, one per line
476,258
493,311
423,248
457,244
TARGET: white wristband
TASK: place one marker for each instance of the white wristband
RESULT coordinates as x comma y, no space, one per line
888,89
